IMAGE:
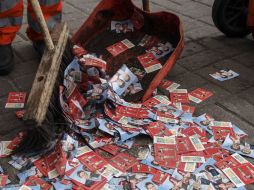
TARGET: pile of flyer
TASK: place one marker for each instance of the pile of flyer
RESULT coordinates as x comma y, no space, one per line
113,144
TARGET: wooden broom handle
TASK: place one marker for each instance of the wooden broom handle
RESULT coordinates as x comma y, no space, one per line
44,28
146,6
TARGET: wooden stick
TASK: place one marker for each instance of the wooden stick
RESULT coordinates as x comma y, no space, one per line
44,82
146,5
44,28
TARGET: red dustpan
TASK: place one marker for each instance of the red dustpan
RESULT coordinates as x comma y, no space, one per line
95,35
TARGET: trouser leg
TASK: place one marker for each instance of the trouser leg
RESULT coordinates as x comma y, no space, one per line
52,11
11,14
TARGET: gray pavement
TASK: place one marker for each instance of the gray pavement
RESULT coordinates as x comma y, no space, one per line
206,51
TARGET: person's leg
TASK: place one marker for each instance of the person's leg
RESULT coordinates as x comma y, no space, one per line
52,11
11,14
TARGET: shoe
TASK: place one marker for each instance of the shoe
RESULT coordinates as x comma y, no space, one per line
39,46
6,59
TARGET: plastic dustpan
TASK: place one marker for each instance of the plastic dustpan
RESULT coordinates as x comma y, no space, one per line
96,34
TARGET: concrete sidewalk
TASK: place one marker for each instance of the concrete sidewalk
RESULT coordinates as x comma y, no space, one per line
206,51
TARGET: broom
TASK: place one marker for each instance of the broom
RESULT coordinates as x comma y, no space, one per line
43,115
43,110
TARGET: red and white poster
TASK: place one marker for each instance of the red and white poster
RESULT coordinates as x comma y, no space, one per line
16,100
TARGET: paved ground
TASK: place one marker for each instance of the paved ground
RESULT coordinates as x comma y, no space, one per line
206,51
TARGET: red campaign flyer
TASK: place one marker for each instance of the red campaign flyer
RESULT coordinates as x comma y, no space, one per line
52,161
199,95
150,103
89,60
149,41
149,62
112,149
195,131
41,165
77,97
231,161
78,51
187,166
86,179
123,161
140,113
104,154
221,124
16,141
92,161
237,169
184,145
179,95
193,158
48,163
245,172
220,133
221,154
165,151
3,180
120,47
159,177
188,109
142,168
166,155
115,116
34,181
16,100
158,129
211,149
168,85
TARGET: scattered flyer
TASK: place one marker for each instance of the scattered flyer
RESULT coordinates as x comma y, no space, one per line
205,122
16,100
150,161
197,143
196,159
3,180
189,167
122,80
149,184
199,95
210,171
123,161
83,176
122,26
234,145
169,85
237,169
164,140
120,47
4,150
140,73
149,62
149,41
225,74
179,95
112,144
188,109
92,61
161,49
